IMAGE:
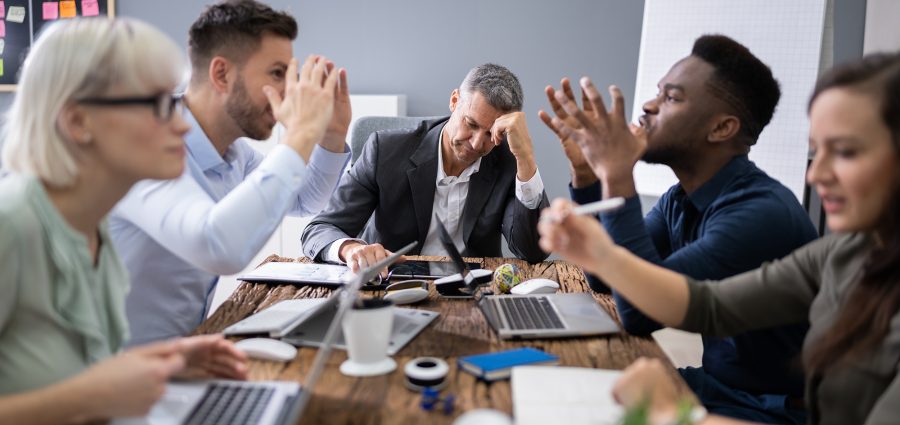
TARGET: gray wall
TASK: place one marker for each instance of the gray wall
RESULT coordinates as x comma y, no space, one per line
423,48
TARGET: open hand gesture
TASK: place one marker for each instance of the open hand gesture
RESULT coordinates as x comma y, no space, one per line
308,104
609,145
582,174
336,133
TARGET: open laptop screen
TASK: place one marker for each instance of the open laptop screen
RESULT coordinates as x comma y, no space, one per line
450,247
351,293
472,280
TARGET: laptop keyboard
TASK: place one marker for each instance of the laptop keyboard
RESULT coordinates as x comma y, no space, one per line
231,404
529,313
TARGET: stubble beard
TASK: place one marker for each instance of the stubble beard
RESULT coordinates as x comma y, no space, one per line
248,118
670,153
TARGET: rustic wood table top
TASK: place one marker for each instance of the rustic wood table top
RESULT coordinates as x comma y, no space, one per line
460,330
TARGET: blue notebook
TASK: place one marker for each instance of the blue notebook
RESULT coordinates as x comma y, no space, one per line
496,366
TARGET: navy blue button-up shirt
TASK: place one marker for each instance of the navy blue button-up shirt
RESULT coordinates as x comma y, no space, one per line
731,224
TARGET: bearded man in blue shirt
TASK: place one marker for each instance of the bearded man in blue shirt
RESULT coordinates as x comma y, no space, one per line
176,237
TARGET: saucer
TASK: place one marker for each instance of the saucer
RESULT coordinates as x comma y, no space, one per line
351,368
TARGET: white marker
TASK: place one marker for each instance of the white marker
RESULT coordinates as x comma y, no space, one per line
598,207
593,208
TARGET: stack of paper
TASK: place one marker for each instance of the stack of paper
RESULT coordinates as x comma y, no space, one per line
564,395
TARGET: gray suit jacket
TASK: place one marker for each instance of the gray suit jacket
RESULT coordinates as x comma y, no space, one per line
387,198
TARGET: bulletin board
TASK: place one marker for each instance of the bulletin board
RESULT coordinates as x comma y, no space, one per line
21,21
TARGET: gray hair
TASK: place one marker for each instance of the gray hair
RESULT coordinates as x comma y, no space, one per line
498,85
73,59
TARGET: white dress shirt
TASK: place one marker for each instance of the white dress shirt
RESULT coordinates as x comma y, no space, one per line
177,236
449,200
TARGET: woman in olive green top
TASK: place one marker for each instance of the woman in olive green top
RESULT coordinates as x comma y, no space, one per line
847,285
93,114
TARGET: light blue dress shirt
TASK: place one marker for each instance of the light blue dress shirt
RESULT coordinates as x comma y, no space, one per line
177,236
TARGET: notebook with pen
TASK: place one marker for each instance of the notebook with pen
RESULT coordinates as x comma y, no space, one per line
331,275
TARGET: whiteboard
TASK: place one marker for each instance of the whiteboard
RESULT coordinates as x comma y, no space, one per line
793,37
882,32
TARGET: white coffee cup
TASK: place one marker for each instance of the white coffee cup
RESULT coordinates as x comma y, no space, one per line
367,330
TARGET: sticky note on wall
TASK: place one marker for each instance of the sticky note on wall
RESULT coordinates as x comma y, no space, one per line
2,29
51,10
89,8
2,9
67,9
16,14
1,67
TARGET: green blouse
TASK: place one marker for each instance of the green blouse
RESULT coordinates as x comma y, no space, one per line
59,313
811,284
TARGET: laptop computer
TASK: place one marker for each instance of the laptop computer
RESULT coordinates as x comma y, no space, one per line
406,325
260,402
303,322
536,315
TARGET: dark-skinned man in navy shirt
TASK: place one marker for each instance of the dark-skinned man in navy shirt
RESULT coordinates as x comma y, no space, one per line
725,216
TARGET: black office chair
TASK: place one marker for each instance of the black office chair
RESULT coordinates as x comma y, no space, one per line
365,126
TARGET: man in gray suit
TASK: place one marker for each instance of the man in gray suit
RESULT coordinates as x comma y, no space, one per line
475,170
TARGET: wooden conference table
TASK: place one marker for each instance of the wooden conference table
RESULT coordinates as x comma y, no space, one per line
460,330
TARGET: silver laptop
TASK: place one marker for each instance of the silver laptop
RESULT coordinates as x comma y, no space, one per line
536,315
407,324
303,322
546,315
262,402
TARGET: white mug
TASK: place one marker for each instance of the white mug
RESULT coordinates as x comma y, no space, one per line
367,330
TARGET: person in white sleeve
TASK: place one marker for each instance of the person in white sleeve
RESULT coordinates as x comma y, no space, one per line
176,237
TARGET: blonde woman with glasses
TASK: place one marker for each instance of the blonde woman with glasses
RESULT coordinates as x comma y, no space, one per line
94,113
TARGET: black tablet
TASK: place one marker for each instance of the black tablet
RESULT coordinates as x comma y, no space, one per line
413,269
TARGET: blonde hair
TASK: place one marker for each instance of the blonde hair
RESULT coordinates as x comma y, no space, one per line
75,59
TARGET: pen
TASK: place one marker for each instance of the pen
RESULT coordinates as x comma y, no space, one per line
598,207
593,208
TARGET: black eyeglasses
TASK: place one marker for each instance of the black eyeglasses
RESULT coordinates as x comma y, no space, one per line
164,104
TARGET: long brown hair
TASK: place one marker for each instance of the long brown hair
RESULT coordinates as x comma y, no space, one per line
865,318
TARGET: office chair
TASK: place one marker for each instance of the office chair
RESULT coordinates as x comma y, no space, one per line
365,126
